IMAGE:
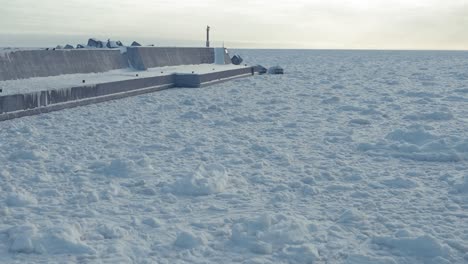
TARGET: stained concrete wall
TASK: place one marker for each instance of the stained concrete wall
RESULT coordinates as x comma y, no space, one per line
213,76
17,102
222,56
227,58
41,63
142,58
197,80
13,106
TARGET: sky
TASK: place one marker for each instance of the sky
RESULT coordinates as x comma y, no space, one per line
309,24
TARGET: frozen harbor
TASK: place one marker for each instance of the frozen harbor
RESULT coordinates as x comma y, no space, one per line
350,157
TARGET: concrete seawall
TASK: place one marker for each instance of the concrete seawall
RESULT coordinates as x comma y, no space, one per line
18,105
142,58
23,64
41,63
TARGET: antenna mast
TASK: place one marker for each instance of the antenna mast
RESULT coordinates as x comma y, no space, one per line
207,36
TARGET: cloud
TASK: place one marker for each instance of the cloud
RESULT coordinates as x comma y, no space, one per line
382,24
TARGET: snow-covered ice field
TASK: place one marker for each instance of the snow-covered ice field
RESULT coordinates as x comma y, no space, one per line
350,157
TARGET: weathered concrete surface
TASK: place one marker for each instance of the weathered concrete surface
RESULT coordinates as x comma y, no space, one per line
41,63
221,56
197,80
18,102
18,105
208,77
142,58
22,64
82,102
227,59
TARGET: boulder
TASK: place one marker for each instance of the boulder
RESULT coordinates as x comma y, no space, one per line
260,69
275,70
113,44
94,43
236,59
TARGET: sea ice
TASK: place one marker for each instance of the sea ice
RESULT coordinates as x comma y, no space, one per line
257,170
207,179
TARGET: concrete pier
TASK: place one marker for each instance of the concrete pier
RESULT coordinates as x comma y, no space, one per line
23,64
142,58
19,105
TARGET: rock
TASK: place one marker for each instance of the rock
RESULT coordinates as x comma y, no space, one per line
113,44
260,69
95,43
236,59
275,70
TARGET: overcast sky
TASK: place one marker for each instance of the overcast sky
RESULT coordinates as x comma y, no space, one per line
330,24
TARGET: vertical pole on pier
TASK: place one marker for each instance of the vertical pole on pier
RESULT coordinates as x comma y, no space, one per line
207,36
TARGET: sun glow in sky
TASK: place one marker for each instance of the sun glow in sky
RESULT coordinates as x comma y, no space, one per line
331,24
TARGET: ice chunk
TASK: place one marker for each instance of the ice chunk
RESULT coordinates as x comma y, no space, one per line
275,231
20,199
363,259
61,239
462,187
421,246
207,179
306,253
188,240
109,231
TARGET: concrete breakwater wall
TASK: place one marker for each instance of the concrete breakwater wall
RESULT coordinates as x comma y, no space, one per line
42,63
22,64
18,105
142,58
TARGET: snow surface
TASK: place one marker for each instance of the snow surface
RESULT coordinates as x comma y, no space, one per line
349,157
67,81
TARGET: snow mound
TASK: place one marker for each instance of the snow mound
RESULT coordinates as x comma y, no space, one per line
359,121
121,168
268,234
4,174
192,115
20,199
400,183
422,246
34,154
415,135
352,217
417,143
363,259
152,222
54,240
433,116
306,254
188,240
207,179
108,231
462,187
